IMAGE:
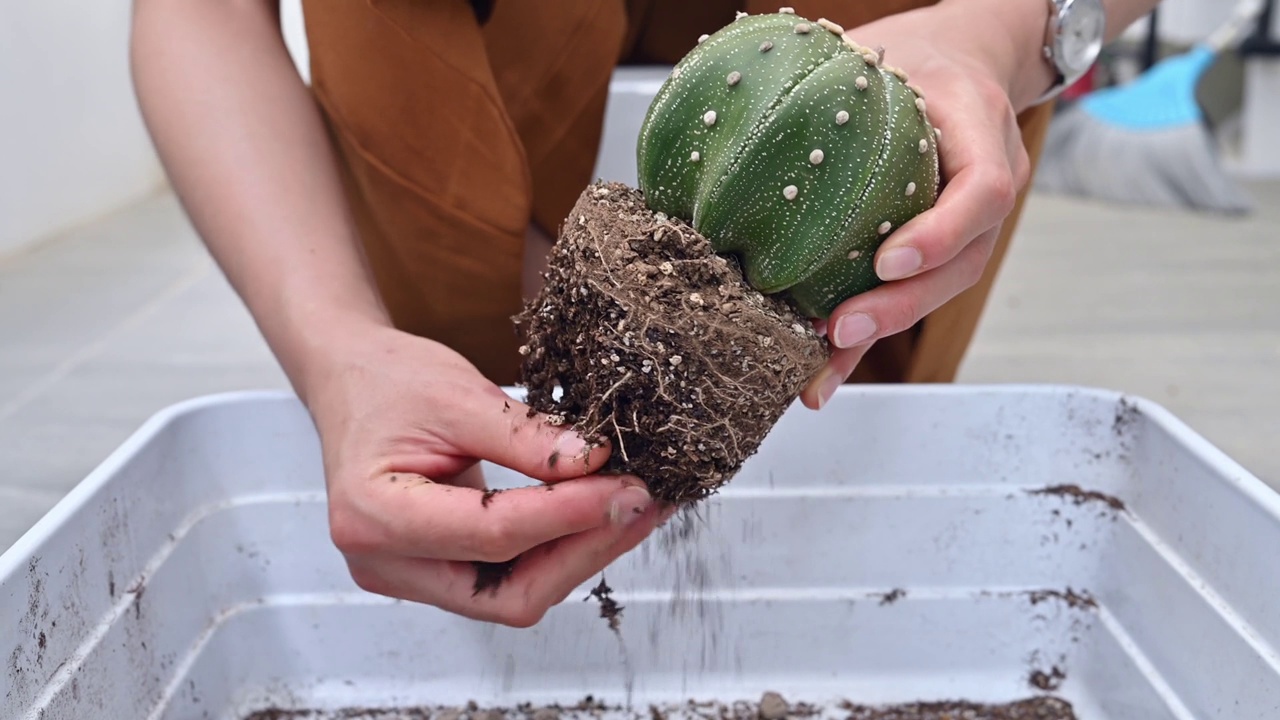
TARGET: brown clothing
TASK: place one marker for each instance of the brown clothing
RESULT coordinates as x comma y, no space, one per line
455,130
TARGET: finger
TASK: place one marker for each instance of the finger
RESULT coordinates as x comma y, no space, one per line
979,196
419,518
895,307
501,430
837,370
550,573
539,580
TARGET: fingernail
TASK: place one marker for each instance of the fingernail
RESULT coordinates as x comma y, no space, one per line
854,329
898,263
570,445
828,388
628,504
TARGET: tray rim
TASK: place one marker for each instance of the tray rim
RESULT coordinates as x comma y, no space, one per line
1228,471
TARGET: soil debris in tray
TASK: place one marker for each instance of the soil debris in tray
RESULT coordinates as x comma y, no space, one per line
892,596
771,706
1126,414
1048,708
1080,496
1048,681
659,345
1074,600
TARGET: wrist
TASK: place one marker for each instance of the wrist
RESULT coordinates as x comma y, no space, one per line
1008,39
319,333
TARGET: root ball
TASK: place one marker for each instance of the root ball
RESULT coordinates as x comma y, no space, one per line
660,345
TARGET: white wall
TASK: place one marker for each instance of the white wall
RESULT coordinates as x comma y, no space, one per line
72,143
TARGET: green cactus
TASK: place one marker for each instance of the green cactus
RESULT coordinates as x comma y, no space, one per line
786,144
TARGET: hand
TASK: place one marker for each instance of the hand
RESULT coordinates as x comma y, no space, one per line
403,422
984,164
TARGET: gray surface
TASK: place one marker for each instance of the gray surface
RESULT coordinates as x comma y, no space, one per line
110,323
1181,308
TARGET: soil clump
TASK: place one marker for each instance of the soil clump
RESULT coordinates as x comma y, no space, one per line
658,344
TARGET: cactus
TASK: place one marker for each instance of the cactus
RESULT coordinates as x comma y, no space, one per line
793,148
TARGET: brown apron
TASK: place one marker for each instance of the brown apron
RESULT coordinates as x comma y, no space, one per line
455,129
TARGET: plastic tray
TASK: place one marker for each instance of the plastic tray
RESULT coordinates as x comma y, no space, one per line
897,546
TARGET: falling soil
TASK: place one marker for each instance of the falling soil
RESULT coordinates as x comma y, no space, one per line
660,345
610,610
771,706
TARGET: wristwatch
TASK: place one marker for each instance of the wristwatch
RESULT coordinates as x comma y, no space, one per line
1072,40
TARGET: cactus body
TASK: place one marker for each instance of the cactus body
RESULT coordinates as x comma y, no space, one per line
792,148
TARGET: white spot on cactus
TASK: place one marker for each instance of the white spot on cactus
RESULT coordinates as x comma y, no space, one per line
739,15
734,78
885,227
766,46
703,38
709,119
900,74
816,156
860,82
842,117
915,89
854,254
787,10
790,192
869,57
937,132
848,41
675,73
695,156
920,104
923,147
802,28
911,189
831,27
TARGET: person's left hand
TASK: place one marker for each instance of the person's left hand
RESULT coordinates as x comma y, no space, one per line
984,165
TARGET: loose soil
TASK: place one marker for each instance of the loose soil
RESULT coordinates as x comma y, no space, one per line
771,706
1080,496
660,346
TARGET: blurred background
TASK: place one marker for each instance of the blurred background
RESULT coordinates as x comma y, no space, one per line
110,309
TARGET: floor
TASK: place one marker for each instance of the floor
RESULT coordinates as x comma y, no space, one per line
108,324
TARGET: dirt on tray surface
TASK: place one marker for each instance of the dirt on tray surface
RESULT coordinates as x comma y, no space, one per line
770,706
1080,496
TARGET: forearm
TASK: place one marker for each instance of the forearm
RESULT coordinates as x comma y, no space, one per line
1016,45
244,146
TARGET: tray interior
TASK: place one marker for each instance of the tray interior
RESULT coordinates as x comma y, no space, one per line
923,544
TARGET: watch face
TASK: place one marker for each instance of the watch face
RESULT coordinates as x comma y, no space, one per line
1082,32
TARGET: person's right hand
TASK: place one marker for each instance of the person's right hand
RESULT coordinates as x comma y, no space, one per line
402,422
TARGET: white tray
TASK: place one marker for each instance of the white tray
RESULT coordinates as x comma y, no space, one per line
191,575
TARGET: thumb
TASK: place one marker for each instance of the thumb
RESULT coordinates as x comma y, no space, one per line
508,433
